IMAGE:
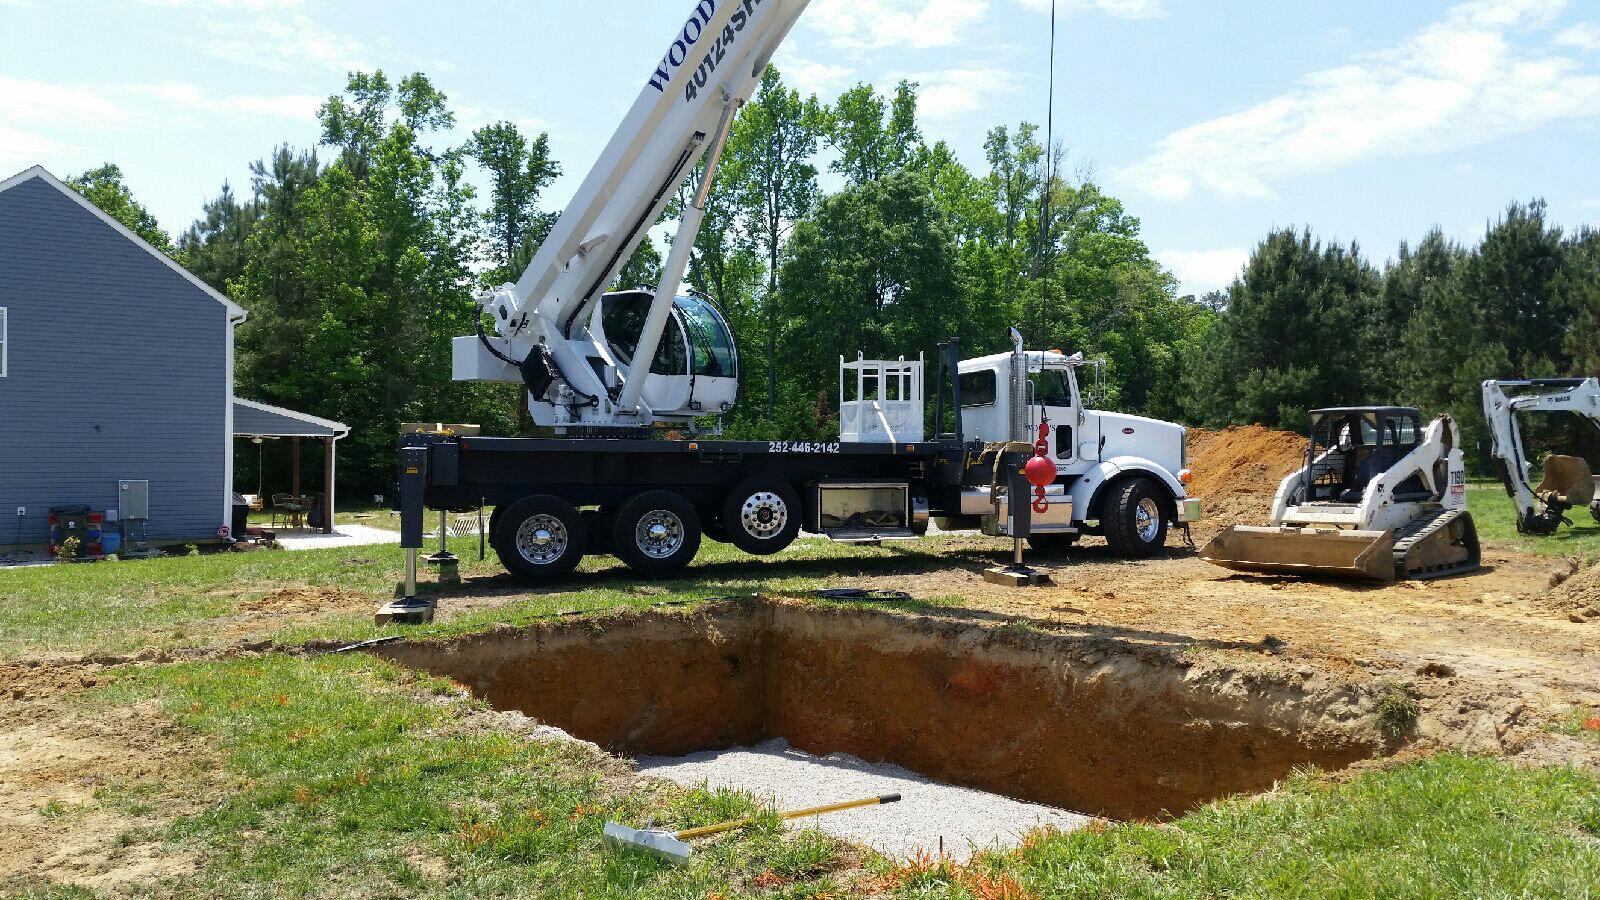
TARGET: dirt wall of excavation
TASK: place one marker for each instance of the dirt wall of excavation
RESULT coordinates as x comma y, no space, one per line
1098,726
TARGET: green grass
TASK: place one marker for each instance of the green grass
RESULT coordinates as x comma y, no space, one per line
356,778
353,772
179,601
1496,518
1449,826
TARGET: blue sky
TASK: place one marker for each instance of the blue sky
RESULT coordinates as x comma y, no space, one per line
1214,121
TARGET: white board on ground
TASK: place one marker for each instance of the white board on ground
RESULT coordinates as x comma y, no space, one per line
966,819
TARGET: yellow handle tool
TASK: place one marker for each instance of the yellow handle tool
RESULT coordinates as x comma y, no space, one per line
675,847
797,814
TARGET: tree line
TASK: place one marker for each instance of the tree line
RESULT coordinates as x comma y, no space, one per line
356,260
1311,324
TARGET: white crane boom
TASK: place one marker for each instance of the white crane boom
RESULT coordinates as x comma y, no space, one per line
575,375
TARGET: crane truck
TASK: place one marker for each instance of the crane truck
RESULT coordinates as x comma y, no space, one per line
606,370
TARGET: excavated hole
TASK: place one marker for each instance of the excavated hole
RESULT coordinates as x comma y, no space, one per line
1108,726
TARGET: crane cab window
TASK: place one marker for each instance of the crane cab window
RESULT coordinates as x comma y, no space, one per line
622,316
712,351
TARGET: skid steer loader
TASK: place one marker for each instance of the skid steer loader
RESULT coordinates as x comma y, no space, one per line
1380,498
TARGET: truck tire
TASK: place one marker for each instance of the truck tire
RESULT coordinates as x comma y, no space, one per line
762,516
1052,544
540,539
1134,519
656,532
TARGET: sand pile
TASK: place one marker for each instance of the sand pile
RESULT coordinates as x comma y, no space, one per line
1237,470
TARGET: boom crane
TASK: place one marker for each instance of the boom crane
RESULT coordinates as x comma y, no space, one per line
596,362
576,347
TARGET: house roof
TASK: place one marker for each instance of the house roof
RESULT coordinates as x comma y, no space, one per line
253,419
235,311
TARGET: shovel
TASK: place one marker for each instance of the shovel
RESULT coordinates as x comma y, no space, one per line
674,847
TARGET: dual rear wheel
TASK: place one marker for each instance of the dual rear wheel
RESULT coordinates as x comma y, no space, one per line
542,538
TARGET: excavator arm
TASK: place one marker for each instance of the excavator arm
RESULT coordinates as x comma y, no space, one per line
681,118
1568,482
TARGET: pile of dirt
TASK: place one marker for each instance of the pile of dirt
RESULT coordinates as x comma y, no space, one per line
1576,599
1237,470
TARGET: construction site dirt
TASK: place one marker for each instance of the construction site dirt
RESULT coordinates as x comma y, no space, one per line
1173,681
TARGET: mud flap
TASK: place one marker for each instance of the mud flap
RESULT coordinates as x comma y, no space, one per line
1304,551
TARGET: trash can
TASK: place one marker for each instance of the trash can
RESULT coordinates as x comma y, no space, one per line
241,517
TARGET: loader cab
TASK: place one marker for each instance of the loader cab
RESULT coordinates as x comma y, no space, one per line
696,366
1351,446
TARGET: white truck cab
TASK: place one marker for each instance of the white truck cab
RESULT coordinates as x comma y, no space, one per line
1119,475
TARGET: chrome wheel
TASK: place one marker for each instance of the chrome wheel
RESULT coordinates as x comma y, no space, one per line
764,515
542,539
1147,520
659,533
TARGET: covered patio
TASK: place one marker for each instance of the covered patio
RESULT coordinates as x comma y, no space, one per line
260,422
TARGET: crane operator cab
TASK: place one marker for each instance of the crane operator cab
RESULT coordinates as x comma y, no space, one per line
696,366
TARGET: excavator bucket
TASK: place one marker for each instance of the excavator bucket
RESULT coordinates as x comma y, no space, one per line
1567,480
1304,551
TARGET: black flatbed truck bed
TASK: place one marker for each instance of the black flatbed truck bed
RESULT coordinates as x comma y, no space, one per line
583,487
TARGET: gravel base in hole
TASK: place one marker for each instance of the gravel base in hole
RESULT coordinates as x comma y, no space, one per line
966,819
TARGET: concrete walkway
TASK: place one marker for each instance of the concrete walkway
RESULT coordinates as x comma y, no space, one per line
342,536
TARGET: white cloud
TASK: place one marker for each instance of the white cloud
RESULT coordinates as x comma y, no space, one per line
28,106
952,93
285,42
1584,36
38,101
826,80
1125,9
1459,82
472,116
861,25
190,98
21,149
1205,270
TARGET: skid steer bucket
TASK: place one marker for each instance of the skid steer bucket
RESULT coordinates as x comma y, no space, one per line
1304,551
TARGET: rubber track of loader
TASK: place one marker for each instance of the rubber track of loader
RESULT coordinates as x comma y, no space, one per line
1420,529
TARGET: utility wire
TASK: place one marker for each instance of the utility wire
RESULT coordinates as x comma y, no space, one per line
1047,237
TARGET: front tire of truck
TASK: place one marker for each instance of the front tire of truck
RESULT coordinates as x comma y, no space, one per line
1135,519
540,539
762,516
656,533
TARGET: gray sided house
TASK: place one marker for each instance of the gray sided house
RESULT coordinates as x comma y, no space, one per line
115,364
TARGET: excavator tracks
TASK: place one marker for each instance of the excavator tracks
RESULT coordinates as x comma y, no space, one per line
1437,545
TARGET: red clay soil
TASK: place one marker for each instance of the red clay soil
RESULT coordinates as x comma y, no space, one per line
1237,470
1083,723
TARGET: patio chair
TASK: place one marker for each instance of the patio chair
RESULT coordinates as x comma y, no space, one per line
289,508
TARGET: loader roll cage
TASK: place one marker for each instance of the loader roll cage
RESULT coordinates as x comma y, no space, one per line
1350,446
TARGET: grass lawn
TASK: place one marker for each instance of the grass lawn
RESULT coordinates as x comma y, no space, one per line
343,775
1496,518
350,777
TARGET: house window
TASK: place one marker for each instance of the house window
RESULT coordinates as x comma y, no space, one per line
4,345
